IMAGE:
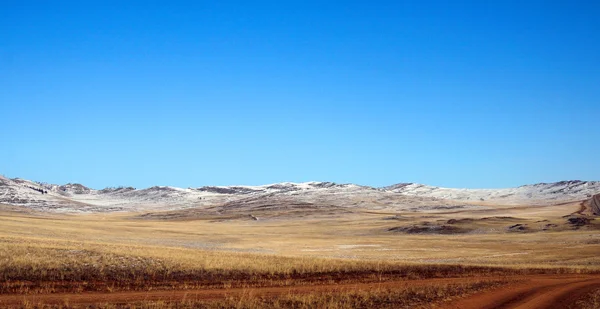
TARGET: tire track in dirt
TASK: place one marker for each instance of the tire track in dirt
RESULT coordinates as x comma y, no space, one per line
535,293
532,292
87,298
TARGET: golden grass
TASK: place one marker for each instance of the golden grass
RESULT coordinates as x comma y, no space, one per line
29,265
72,253
110,253
408,297
411,297
355,236
43,253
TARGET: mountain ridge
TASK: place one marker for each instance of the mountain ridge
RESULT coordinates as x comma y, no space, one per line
79,198
316,183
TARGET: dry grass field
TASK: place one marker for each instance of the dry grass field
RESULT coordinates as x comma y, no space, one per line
353,259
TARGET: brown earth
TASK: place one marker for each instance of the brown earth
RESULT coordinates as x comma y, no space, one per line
534,291
214,294
594,203
540,292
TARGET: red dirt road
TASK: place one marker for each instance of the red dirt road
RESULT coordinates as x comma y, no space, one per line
557,292
213,294
543,291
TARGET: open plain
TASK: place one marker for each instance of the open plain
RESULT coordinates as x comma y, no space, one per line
300,246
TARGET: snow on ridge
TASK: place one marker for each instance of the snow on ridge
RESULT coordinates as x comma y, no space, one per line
558,191
274,187
77,197
74,197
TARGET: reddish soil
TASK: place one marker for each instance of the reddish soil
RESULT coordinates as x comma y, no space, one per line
211,294
536,291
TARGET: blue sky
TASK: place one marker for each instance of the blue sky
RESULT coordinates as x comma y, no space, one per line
190,93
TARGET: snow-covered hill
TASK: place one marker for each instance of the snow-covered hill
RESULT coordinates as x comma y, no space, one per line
79,198
557,192
76,197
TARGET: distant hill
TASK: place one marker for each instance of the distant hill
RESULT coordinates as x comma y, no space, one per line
561,191
404,196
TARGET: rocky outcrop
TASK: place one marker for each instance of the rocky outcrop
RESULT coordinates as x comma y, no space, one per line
75,188
594,204
226,190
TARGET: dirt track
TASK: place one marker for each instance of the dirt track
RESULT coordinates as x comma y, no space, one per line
212,294
534,293
547,291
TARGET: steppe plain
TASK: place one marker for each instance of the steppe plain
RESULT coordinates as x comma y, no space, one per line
303,245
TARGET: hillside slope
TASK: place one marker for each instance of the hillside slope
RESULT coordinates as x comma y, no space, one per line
407,197
541,193
594,204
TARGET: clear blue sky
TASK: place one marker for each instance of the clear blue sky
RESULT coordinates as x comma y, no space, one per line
191,93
